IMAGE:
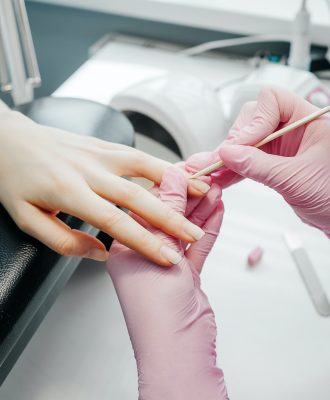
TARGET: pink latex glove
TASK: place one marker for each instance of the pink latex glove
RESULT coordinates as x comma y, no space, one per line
169,319
297,165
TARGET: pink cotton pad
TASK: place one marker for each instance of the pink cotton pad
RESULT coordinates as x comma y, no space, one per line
255,256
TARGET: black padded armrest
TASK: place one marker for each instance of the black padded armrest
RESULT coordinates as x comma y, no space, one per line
31,275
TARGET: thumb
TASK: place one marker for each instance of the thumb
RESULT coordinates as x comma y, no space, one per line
250,162
257,120
275,106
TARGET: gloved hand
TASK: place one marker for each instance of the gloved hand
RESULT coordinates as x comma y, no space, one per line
169,319
297,165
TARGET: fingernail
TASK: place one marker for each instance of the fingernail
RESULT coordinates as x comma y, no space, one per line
97,254
171,255
200,185
193,230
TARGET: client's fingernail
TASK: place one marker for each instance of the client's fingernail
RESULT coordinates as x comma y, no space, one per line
193,230
200,185
97,254
172,256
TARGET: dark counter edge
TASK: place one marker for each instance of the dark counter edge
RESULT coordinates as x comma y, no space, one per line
35,312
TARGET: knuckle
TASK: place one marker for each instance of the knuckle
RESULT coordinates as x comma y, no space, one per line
65,246
171,215
139,158
267,90
58,179
245,165
63,184
131,192
139,161
61,178
112,218
20,215
147,241
22,222
268,95
249,106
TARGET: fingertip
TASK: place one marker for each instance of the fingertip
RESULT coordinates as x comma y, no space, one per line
221,208
88,246
97,254
201,160
169,257
199,186
232,138
227,149
233,156
194,192
193,231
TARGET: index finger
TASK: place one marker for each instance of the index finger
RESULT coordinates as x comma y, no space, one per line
274,106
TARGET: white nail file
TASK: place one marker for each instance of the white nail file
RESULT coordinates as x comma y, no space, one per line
308,274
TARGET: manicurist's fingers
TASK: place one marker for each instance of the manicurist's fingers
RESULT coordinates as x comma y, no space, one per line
198,187
206,206
256,164
201,160
198,251
55,234
173,189
199,209
275,106
173,193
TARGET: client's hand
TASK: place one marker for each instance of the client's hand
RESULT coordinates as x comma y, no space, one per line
169,319
44,170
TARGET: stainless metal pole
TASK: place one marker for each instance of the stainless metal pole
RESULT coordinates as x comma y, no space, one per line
5,84
19,63
27,43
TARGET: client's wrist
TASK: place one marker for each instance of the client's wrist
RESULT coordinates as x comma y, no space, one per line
10,120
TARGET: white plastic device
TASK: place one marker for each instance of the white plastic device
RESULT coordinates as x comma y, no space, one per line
196,116
304,83
300,43
183,104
